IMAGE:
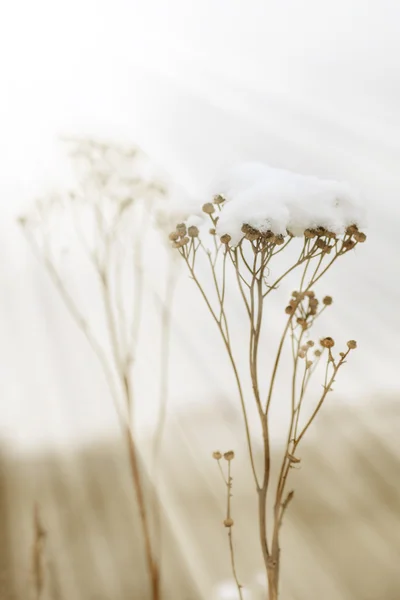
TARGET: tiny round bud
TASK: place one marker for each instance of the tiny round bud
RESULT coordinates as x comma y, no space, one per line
208,208
320,244
352,229
327,342
310,343
212,231
181,229
301,354
193,231
317,353
302,322
230,455
327,300
310,294
359,236
228,522
289,310
279,240
181,243
218,199
173,236
217,455
348,244
309,364
309,233
342,354
352,344
226,238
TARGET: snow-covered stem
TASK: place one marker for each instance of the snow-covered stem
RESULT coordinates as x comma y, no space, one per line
250,251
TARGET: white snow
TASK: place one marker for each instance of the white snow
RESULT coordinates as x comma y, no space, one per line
278,200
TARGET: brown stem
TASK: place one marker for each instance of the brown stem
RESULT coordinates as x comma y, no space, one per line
136,478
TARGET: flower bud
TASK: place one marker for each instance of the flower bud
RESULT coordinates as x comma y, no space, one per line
208,208
181,229
228,522
230,455
226,238
327,300
217,455
193,231
327,342
352,344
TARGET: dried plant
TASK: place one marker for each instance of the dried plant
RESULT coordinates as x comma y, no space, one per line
38,546
250,263
228,521
105,220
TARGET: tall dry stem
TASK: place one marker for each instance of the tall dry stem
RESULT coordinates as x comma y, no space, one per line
251,262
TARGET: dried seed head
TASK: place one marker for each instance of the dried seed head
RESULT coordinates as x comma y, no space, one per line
352,229
218,199
173,236
317,353
217,455
309,364
212,231
342,354
181,229
320,244
226,238
310,233
208,208
327,300
193,231
250,232
327,342
327,249
279,240
302,322
228,522
352,344
181,243
359,236
310,343
230,455
310,294
289,310
331,235
348,244
301,354
321,230
304,347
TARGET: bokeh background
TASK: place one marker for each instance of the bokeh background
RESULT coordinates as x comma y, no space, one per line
313,87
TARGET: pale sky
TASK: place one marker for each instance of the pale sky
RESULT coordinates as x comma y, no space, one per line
311,86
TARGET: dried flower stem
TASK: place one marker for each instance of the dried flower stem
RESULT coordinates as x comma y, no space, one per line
228,522
39,539
250,259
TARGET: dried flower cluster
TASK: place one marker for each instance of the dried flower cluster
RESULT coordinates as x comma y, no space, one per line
247,259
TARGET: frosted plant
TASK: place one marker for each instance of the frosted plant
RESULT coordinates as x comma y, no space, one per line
102,224
262,225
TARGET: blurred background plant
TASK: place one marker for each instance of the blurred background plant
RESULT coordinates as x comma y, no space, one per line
104,221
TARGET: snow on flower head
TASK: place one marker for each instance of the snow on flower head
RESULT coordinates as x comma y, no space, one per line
277,200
